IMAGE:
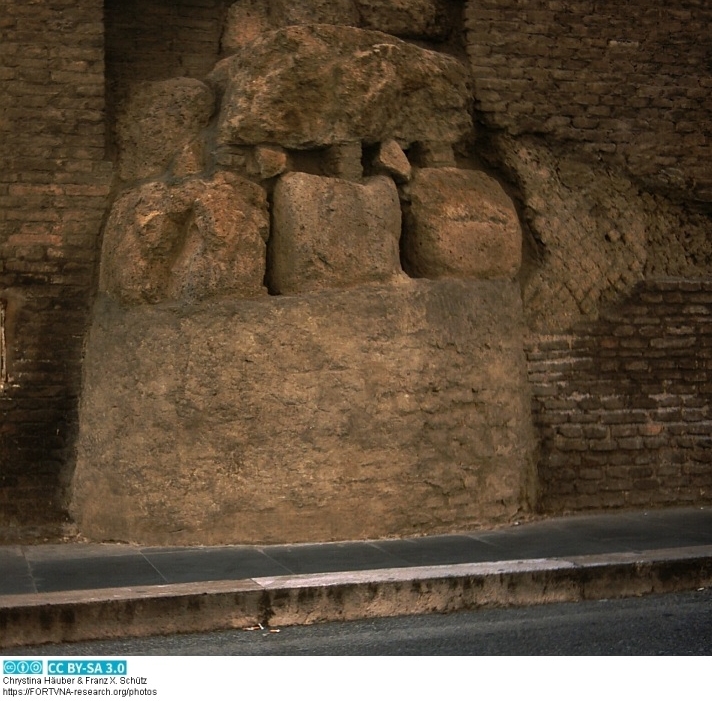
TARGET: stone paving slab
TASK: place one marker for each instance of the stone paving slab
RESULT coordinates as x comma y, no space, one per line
92,591
310,598
80,566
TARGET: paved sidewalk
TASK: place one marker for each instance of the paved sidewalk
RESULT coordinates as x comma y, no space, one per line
81,591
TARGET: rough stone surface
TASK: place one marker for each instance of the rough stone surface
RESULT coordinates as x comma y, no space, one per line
344,161
433,154
190,160
391,160
378,411
156,121
417,19
219,77
194,240
246,20
268,161
414,19
332,233
318,85
460,223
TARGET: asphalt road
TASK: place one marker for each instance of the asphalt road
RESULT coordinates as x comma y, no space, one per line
672,624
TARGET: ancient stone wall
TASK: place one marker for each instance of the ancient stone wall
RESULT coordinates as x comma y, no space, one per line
53,193
149,41
275,374
623,406
627,83
347,185
383,409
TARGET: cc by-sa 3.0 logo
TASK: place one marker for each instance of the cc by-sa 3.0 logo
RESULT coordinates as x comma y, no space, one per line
22,667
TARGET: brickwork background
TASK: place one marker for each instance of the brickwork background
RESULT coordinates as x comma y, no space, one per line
53,188
159,40
628,82
163,39
624,406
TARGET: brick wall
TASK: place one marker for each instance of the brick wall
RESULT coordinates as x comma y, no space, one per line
624,406
162,39
159,40
53,188
628,82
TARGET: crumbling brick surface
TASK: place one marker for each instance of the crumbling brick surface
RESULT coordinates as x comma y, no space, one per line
592,232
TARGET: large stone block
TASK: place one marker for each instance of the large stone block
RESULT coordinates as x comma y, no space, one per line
329,232
460,223
157,120
319,85
385,410
194,240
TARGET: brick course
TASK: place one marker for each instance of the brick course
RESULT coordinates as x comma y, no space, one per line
623,406
53,190
629,83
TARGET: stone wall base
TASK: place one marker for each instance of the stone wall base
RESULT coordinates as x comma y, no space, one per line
384,410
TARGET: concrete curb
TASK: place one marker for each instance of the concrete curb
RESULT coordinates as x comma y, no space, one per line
302,599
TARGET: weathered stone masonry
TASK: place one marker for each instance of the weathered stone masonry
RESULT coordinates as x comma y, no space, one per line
159,40
353,401
53,194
